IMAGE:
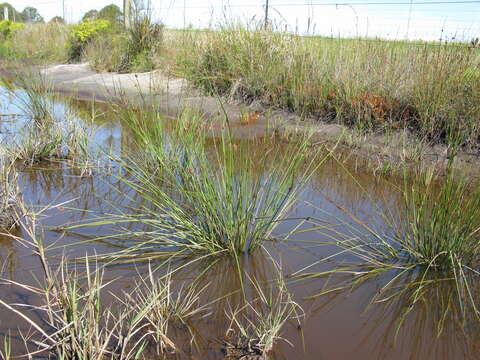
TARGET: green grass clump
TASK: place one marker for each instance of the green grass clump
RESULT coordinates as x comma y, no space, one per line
208,196
219,202
443,223
127,50
433,239
46,134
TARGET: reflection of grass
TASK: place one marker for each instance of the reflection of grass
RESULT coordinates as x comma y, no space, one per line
437,234
214,199
432,325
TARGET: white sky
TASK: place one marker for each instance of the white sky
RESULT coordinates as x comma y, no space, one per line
388,21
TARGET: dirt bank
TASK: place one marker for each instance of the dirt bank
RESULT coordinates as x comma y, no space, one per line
377,152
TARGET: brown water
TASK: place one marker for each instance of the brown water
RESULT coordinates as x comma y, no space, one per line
341,325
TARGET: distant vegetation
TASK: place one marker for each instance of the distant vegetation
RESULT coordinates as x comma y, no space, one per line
28,15
430,89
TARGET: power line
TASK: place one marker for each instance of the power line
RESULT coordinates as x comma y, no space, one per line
385,3
326,4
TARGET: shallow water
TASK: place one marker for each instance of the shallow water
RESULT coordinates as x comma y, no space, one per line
340,325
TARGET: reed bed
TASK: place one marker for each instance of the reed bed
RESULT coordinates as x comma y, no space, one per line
431,89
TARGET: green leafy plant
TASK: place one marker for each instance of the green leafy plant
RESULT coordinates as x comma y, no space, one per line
8,28
81,34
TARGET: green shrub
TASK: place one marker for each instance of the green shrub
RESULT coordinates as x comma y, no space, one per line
8,28
126,51
82,34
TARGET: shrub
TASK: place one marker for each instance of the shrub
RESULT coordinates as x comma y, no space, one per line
8,28
82,34
133,50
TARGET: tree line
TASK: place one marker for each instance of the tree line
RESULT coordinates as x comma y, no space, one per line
32,15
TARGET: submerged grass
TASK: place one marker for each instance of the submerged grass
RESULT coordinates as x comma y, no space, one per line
255,328
158,305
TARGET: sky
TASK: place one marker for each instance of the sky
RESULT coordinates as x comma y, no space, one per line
460,21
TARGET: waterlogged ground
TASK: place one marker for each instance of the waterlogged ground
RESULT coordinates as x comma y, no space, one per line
338,325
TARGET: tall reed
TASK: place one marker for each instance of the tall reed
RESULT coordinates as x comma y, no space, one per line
430,88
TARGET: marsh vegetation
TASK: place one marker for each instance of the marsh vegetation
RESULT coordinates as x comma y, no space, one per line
138,236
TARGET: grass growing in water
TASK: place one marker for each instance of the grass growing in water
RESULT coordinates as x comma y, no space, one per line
255,328
77,324
9,194
443,223
46,134
437,234
209,196
159,306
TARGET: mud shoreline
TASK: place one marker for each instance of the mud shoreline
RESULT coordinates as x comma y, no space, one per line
377,152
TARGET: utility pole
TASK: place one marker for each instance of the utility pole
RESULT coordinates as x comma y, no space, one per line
63,10
266,14
127,13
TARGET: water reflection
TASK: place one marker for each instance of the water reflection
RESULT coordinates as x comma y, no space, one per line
340,325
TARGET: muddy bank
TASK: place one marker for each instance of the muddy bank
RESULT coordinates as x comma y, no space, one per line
378,152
